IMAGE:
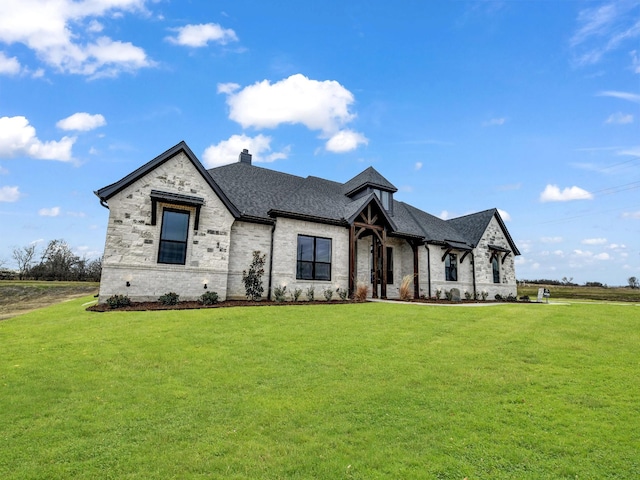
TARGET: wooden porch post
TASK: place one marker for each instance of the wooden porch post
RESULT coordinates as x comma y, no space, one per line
383,285
352,259
374,244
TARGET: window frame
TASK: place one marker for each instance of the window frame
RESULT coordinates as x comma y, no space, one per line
451,258
162,242
314,262
495,268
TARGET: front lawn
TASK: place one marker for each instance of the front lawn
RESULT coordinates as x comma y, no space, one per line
360,391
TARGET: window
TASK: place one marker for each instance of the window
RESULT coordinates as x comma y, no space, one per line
384,197
451,267
496,270
314,258
173,237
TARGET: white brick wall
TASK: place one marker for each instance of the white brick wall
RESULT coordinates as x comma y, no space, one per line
245,238
131,247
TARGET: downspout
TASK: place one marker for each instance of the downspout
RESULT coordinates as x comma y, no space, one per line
426,246
473,265
273,228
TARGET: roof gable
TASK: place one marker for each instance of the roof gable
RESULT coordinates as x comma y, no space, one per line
109,191
368,178
473,226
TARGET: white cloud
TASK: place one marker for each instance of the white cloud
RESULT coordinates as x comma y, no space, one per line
551,239
629,97
9,194
18,137
494,122
444,215
594,241
49,212
602,256
346,141
553,194
318,105
619,118
635,62
3,171
82,121
200,35
634,215
58,34
9,65
227,151
558,253
504,215
418,166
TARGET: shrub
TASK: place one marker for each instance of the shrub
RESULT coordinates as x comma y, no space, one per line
405,287
279,293
484,294
252,278
498,297
209,298
296,294
525,298
511,298
118,301
447,294
328,294
360,295
343,293
438,293
310,293
170,298
468,295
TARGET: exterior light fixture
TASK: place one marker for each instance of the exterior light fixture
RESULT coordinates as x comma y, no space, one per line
128,283
205,286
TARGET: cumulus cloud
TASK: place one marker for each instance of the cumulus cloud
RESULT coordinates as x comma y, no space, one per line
444,215
552,193
9,65
49,212
227,151
494,122
504,215
18,137
551,239
619,118
602,256
61,37
82,121
417,166
200,35
9,194
318,105
345,141
594,241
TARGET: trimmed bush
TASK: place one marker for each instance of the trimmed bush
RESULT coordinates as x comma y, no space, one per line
342,293
279,293
118,301
328,294
209,298
296,294
170,298
310,293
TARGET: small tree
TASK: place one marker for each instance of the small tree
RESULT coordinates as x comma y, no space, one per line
25,258
634,282
252,278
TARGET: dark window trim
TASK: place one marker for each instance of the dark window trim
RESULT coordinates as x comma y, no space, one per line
449,269
313,262
495,269
186,240
175,199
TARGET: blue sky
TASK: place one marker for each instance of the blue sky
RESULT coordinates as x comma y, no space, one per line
531,107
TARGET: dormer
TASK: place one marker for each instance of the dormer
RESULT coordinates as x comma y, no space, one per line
370,181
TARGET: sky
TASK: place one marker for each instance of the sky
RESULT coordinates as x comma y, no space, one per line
531,107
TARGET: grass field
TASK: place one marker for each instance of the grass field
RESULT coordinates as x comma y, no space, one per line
361,391
610,294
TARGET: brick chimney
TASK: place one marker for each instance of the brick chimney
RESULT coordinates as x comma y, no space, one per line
245,157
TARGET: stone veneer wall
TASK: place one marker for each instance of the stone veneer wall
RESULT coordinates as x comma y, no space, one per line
494,235
285,253
245,239
131,247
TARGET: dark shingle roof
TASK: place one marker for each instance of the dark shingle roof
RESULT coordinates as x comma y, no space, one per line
369,177
259,194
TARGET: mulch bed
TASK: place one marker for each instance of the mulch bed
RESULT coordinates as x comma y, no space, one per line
190,305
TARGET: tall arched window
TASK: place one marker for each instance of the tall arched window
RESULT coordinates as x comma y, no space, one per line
496,270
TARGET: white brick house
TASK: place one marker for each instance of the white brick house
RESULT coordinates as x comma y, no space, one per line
175,226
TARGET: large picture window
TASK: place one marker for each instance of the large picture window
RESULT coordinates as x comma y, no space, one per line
451,267
173,237
314,258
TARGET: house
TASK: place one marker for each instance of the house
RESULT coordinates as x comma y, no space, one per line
175,226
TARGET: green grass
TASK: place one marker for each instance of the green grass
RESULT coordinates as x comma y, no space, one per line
365,391
616,294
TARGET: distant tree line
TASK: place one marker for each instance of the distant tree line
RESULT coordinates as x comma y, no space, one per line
568,282
55,262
